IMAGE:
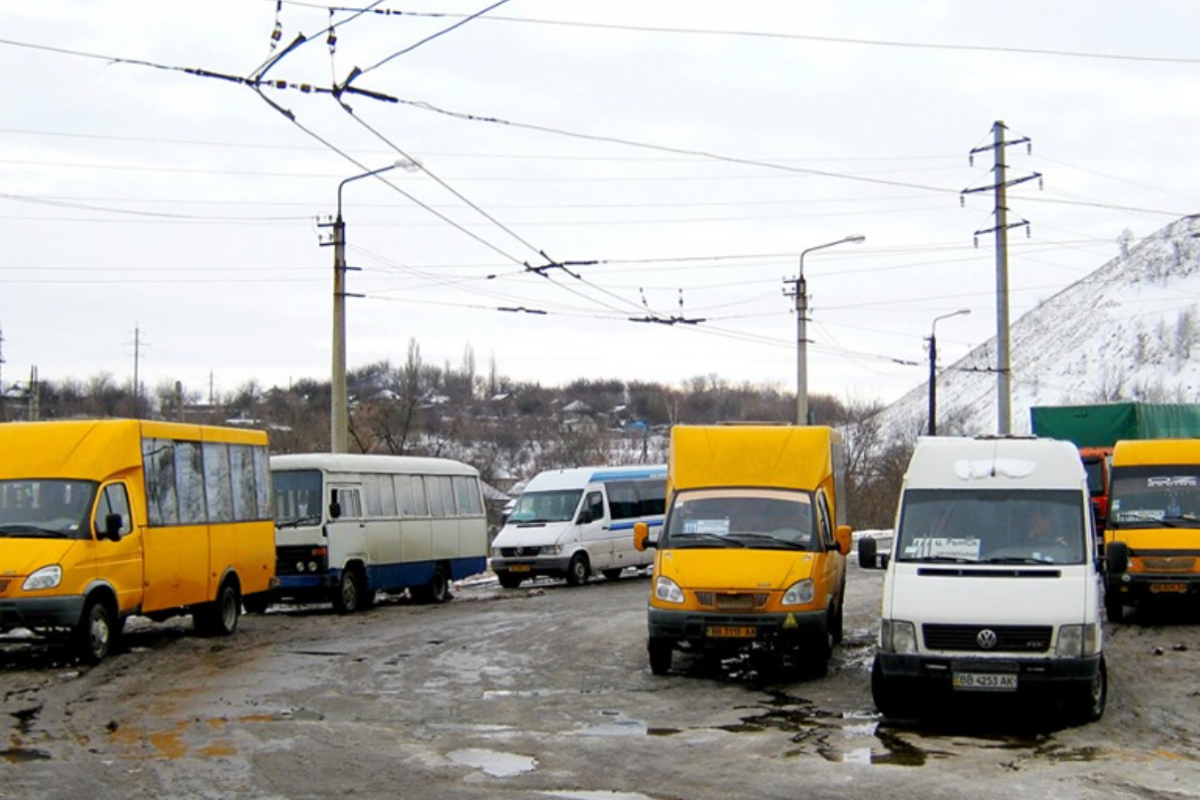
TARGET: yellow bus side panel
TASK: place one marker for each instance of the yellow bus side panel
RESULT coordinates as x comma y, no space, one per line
177,567
247,548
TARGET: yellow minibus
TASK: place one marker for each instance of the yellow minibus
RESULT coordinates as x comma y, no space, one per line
104,519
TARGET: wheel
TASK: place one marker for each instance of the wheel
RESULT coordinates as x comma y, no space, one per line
660,651
1090,700
814,657
508,580
436,591
257,603
612,574
220,617
578,570
886,694
349,595
1114,608
96,632
837,624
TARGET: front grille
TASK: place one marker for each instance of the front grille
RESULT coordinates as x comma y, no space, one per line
732,601
1008,638
1170,564
289,559
520,552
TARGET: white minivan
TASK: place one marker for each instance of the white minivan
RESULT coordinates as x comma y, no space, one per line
993,583
570,523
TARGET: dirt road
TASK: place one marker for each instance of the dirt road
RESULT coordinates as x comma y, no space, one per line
547,693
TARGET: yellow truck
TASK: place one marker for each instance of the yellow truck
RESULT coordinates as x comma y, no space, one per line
1152,537
752,555
103,519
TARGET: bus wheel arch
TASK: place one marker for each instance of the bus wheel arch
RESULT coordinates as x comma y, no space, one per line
220,616
350,595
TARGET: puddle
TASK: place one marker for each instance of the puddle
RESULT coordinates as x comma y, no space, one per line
25,718
21,755
621,727
494,763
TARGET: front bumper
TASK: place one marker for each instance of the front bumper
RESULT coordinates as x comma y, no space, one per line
923,674
784,630
41,612
1145,584
531,566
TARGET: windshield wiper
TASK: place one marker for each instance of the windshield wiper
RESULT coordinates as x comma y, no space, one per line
1019,560
769,538
941,560
708,537
298,521
34,530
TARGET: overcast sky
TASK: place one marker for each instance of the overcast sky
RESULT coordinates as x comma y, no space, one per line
676,156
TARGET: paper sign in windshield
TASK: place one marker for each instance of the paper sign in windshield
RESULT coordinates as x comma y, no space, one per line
715,527
931,547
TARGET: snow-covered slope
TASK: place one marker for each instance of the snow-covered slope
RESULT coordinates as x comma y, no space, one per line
1127,331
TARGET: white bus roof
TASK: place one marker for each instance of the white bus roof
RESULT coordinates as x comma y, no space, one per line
994,462
579,477
360,462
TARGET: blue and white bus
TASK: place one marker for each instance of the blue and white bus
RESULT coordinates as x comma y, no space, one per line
570,523
347,526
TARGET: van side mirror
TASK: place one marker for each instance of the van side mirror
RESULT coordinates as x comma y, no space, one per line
1116,558
641,537
335,508
869,556
112,527
842,535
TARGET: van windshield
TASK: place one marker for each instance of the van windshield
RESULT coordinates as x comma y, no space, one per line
46,509
996,526
1155,497
556,506
754,518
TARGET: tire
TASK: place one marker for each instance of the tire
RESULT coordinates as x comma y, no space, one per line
1114,607
887,696
256,603
348,598
837,624
612,574
814,655
96,633
508,580
660,652
220,617
1089,701
578,570
436,591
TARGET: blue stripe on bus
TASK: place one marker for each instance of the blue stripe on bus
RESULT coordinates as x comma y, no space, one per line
393,577
623,526
601,477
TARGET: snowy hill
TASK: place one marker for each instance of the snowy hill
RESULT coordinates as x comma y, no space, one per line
1127,331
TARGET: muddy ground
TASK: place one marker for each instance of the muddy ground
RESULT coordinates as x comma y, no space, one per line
545,692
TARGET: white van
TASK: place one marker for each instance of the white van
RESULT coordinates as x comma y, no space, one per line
573,522
992,584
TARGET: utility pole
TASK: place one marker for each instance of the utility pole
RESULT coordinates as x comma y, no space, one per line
933,367
1000,187
137,395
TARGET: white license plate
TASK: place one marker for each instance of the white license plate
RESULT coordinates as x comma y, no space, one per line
985,681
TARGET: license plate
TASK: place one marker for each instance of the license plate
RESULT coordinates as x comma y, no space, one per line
985,681
732,631
1169,587
519,568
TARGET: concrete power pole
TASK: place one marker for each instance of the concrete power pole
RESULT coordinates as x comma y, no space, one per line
1000,187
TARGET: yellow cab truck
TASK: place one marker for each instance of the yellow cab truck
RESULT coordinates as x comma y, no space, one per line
104,519
1152,536
752,555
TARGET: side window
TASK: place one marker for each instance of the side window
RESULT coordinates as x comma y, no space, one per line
158,465
351,503
466,494
218,490
652,497
114,499
387,495
189,483
241,468
410,492
595,505
262,483
622,499
823,522
371,495
441,495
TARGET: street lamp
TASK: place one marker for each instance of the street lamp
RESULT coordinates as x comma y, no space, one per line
339,412
801,329
932,367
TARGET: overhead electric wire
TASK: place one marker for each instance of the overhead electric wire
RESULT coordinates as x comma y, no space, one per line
431,37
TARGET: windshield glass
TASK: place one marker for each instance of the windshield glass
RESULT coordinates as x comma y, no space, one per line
755,518
1155,497
992,526
46,509
1094,466
297,496
557,506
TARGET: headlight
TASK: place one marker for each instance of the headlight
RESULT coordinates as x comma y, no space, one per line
667,590
799,593
312,566
554,550
44,578
1078,640
299,566
896,636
